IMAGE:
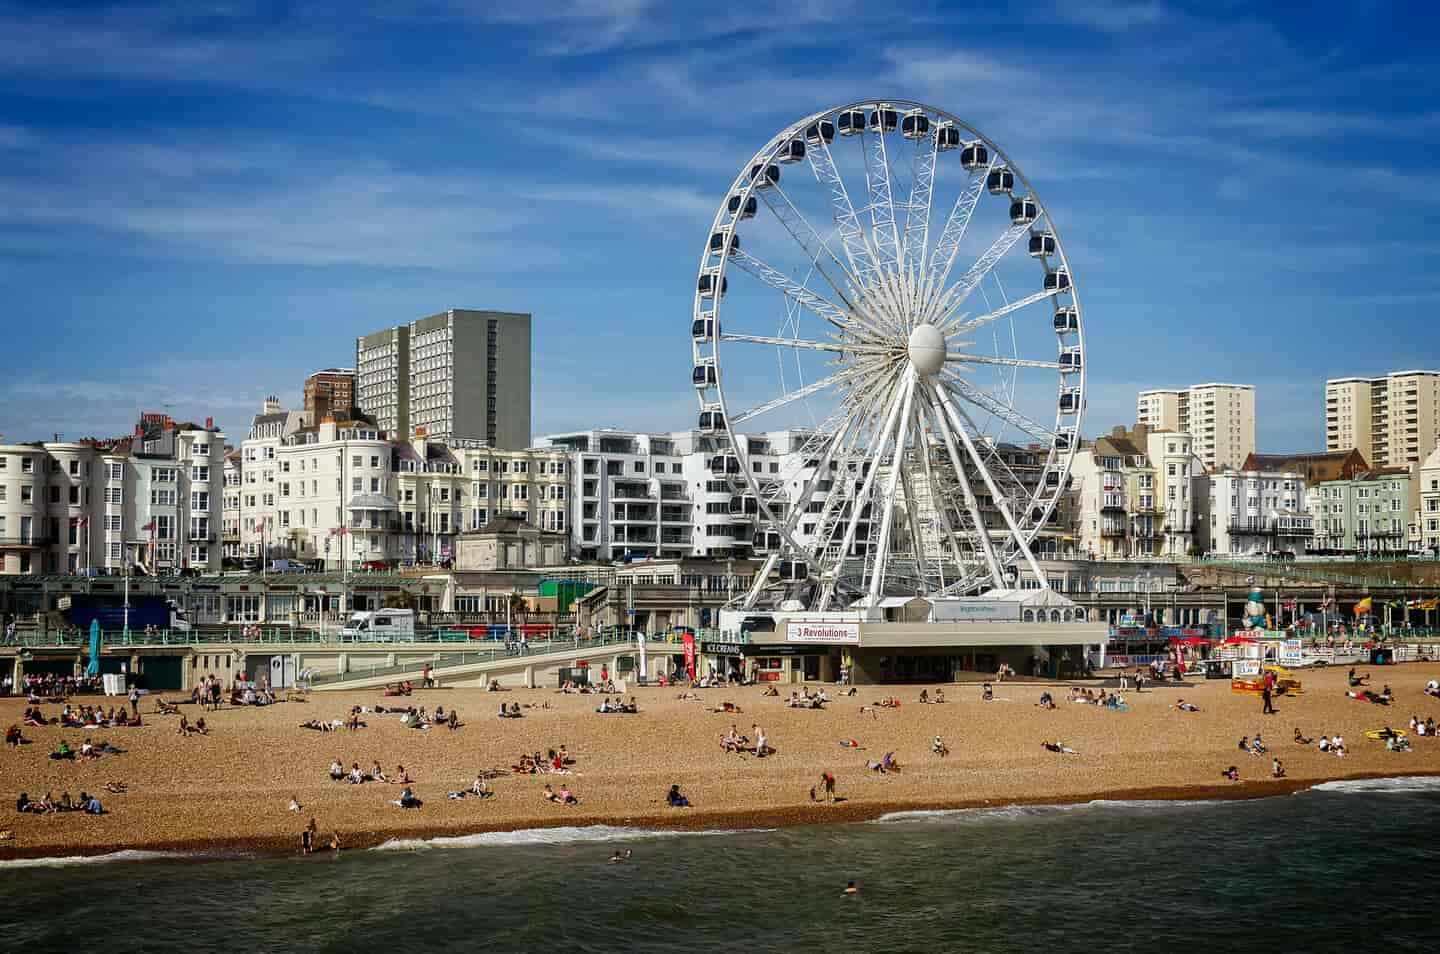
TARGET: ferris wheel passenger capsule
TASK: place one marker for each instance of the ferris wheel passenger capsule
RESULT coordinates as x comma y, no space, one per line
1064,438
820,132
765,175
706,286
793,570
1023,211
1000,181
702,329
975,156
915,125
703,375
851,122
724,465
1067,321
1070,360
724,240
1042,244
711,422
746,211
1057,280
1069,400
947,137
792,151
883,119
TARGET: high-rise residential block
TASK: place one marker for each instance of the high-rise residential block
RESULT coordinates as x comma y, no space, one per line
460,373
330,393
1392,420
1220,417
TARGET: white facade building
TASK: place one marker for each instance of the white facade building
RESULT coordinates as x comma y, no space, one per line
1252,513
151,501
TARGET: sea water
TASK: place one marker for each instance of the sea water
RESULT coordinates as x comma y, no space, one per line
1343,866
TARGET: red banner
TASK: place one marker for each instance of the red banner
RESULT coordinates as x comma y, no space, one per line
689,640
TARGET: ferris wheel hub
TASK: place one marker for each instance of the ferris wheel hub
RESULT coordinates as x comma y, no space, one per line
926,349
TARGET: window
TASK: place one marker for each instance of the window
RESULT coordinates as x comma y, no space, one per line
74,468
27,493
523,466
482,466
116,471
200,474
357,484
200,500
27,465
522,492
355,461
115,523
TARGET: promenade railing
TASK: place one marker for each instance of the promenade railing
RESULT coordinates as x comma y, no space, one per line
502,652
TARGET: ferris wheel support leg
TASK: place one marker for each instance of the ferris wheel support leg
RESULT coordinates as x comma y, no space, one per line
912,505
907,381
761,578
982,535
887,518
995,493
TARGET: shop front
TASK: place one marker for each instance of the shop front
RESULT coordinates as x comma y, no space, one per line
780,662
723,659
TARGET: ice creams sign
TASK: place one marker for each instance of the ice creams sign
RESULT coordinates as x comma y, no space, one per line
822,631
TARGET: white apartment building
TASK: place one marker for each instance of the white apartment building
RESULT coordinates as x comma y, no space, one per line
146,501
338,493
668,495
1252,513
1219,417
1427,517
1392,420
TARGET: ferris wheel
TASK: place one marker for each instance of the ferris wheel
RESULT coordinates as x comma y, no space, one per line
889,360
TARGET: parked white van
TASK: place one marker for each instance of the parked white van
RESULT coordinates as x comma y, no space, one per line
381,625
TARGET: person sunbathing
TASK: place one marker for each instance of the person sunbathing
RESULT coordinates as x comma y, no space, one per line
116,788
1184,706
566,797
1046,701
1060,747
407,799
674,799
1300,739
771,691
63,753
1432,688
1358,680
166,708
1257,747
1232,773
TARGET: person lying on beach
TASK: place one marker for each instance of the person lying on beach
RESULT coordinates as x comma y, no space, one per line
1184,706
1232,773
886,765
771,691
1365,695
1060,747
1300,739
116,788
166,708
851,744
295,805
407,799
1257,746
729,707
316,724
562,797
938,747
674,799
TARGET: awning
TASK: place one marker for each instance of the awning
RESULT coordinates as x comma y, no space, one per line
371,502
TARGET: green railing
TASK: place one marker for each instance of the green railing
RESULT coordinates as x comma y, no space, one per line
278,634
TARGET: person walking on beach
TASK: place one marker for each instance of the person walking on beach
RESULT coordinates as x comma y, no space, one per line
134,701
1269,708
307,838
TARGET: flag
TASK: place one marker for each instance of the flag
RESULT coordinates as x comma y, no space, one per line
83,522
1362,607
149,526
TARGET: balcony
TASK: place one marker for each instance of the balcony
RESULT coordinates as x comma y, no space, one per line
1249,529
630,490
194,537
25,543
1112,530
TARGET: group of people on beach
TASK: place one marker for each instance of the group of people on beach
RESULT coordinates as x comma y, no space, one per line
555,761
47,805
355,776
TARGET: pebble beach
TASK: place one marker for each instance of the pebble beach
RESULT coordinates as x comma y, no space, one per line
229,791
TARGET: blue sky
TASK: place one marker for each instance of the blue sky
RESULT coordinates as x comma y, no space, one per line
202,202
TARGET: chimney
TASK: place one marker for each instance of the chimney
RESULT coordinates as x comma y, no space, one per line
169,424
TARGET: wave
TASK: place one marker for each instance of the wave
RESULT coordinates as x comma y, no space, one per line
1026,812
563,835
1370,786
70,860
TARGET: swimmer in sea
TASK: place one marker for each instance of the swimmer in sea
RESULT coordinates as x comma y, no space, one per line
850,888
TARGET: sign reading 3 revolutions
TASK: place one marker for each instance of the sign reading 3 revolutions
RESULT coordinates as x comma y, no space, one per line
822,631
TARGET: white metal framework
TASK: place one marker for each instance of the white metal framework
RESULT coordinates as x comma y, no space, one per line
926,321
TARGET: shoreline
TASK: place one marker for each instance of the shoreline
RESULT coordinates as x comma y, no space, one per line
697,821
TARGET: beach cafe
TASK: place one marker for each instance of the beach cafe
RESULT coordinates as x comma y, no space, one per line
923,639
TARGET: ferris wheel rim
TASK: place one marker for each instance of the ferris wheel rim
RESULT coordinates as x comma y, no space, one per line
744,188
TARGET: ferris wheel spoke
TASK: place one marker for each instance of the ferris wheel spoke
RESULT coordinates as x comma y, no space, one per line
859,252
944,307
968,358
882,203
917,214
837,347
982,533
936,501
846,374
916,437
999,498
942,256
989,403
792,290
994,455
958,325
